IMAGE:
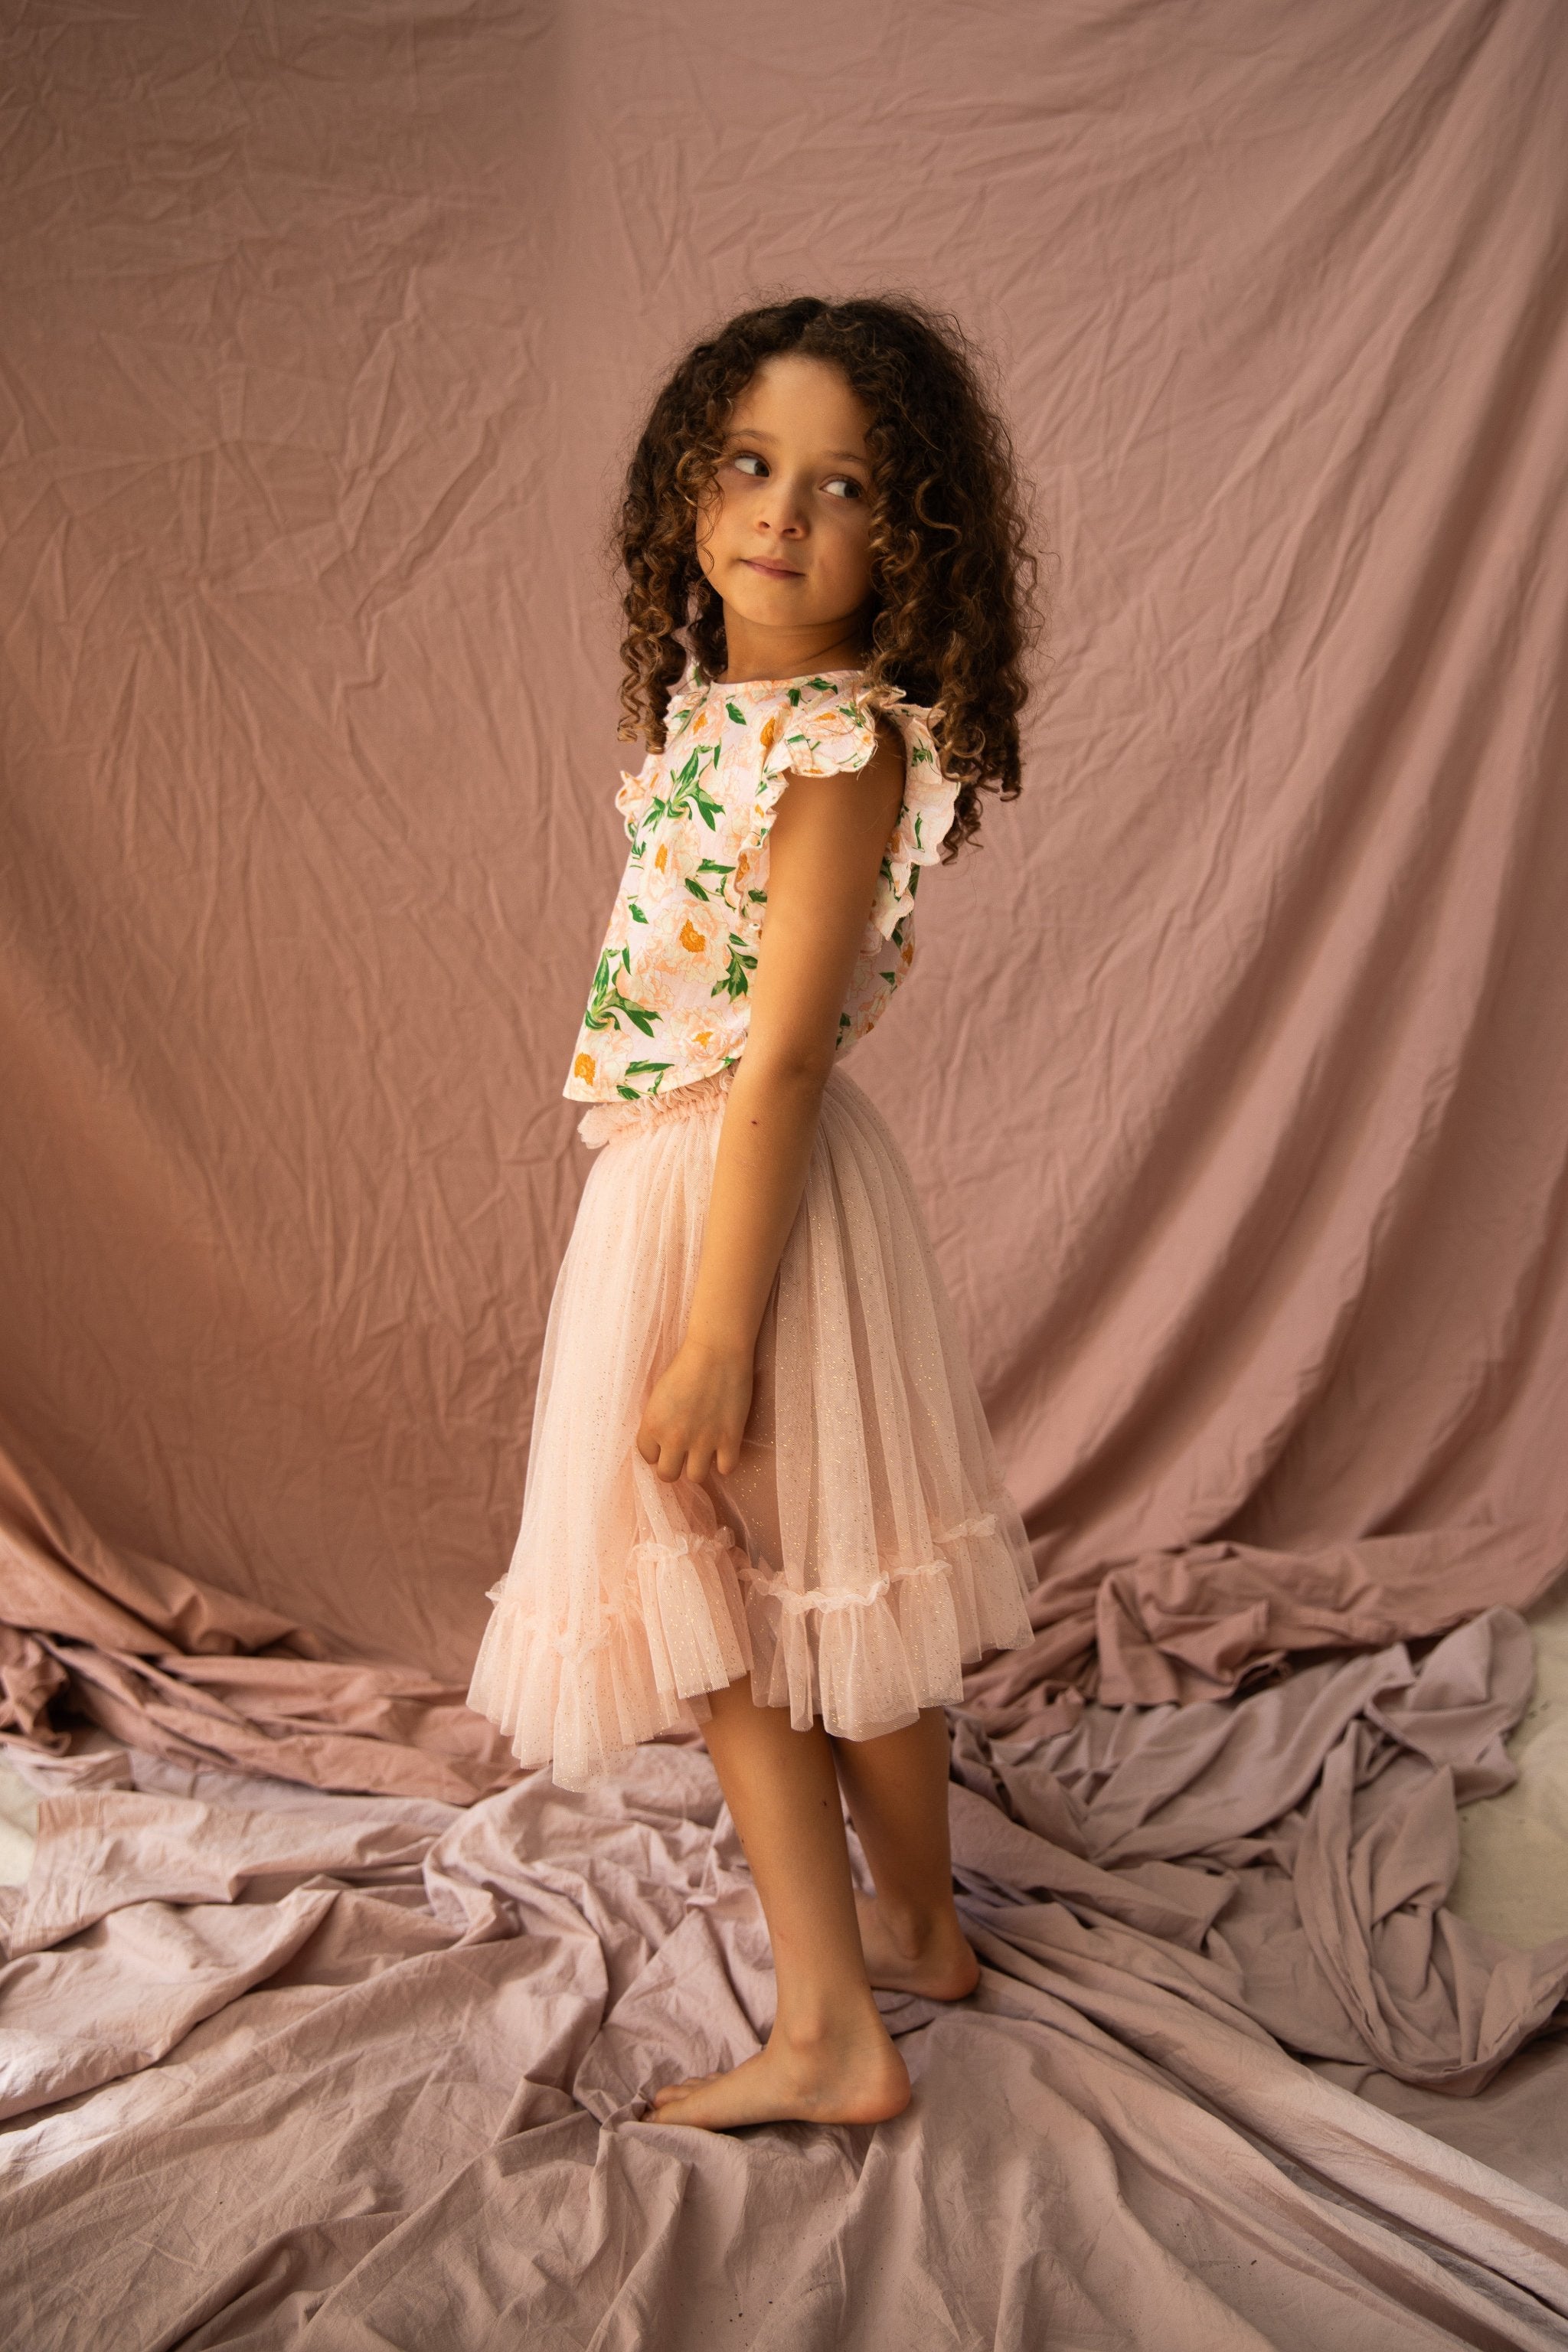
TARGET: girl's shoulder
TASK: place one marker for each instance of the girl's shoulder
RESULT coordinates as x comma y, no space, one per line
816,724
730,749
759,711
827,725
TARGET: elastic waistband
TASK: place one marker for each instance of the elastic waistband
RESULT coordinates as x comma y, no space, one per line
602,1122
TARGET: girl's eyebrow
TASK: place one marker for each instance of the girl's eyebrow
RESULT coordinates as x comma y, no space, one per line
750,433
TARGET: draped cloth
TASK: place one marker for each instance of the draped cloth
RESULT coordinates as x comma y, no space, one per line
1231,1078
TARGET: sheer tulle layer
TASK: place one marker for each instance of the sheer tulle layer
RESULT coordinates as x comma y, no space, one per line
864,1550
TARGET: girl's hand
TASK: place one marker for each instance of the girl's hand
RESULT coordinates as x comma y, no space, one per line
696,1413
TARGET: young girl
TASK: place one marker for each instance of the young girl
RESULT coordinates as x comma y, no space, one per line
762,1497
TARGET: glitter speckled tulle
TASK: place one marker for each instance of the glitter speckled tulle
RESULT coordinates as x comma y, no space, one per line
865,1548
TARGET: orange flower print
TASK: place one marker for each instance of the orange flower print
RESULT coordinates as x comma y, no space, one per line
703,1037
699,722
770,733
691,938
661,855
582,1068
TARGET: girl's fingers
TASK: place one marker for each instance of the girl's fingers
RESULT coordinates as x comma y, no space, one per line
691,1458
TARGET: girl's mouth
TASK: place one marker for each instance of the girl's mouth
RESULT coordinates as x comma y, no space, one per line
774,571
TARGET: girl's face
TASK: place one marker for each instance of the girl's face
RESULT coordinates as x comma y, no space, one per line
784,534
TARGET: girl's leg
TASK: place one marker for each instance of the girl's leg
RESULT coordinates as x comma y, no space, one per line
829,2058
895,1790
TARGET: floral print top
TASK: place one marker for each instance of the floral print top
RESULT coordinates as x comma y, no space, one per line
669,1000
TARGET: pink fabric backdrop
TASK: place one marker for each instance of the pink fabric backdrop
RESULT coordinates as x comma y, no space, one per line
1232,1069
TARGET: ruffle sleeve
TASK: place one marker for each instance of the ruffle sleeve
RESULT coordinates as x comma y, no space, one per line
636,792
835,732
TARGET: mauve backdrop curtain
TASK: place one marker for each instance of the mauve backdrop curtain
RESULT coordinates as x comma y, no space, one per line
1233,1068
1232,1071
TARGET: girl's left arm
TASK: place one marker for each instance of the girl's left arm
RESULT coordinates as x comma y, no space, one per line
825,854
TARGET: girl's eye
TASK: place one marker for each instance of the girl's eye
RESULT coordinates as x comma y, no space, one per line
747,457
845,486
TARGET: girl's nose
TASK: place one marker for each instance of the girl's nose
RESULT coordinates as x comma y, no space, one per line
784,512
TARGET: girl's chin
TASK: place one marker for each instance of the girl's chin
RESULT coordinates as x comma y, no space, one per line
772,603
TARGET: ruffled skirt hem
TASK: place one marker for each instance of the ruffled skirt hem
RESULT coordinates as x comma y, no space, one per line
705,1616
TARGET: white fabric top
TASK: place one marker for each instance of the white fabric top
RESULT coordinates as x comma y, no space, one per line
669,1001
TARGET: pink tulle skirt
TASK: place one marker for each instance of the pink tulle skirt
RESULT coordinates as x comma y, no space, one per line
865,1548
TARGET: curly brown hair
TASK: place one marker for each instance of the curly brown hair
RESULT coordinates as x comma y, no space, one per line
953,580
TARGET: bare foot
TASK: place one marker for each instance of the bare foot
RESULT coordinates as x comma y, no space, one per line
852,2076
942,1964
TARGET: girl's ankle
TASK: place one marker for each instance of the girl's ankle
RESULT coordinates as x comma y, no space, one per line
818,2030
913,1930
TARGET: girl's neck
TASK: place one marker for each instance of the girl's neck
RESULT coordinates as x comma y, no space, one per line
753,654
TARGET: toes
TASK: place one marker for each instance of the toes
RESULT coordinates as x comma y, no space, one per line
682,2089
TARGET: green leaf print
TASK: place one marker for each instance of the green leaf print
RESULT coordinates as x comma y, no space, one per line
736,713
734,983
635,911
606,1006
687,793
708,865
919,842
640,1070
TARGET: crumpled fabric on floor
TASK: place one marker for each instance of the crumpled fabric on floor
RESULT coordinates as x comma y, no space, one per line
289,2069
